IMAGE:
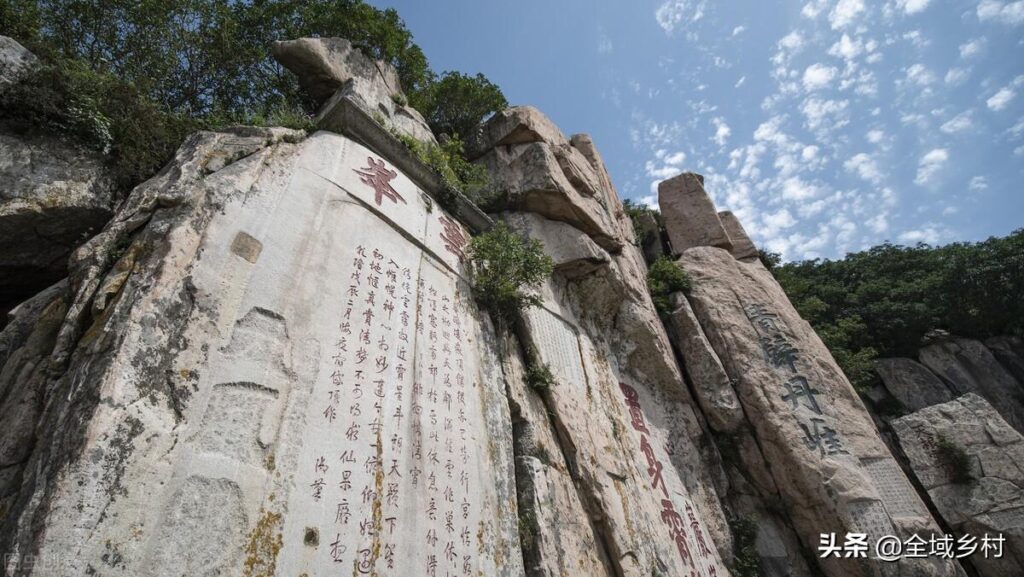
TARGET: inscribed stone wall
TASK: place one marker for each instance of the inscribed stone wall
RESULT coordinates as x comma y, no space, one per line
339,409
832,470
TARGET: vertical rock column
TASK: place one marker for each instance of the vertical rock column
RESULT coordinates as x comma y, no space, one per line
609,457
831,469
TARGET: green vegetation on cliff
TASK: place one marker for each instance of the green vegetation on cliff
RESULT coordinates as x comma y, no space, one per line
133,78
882,301
505,269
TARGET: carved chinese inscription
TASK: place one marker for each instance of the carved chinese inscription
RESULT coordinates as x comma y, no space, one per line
395,477
898,496
798,393
378,176
683,527
558,345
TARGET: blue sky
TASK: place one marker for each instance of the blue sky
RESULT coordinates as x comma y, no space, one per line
827,126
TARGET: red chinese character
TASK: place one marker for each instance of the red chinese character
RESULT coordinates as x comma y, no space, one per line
453,237
379,177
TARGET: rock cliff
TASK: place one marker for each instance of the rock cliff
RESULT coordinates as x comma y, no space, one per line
271,361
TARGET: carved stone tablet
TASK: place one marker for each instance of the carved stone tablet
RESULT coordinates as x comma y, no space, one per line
558,346
897,494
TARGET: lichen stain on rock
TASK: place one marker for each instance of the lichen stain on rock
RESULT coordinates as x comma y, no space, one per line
120,448
264,543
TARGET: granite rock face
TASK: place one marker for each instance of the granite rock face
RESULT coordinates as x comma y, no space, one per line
53,196
616,437
911,383
968,366
332,67
690,217
742,247
829,465
1009,351
244,389
535,177
986,496
15,59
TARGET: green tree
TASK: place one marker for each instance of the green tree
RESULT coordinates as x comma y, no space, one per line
456,103
882,301
505,269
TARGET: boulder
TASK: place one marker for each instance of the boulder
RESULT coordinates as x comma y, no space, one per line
329,68
971,463
833,471
911,383
967,366
53,197
742,247
22,318
15,59
1009,351
573,253
516,125
711,385
689,215
534,180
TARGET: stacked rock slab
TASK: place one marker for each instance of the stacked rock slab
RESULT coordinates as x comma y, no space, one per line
967,365
689,214
831,469
612,479
911,383
268,366
986,495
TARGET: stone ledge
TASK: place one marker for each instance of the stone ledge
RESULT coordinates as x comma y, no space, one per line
344,116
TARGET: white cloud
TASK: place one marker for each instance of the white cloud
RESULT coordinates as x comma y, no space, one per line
959,123
650,201
957,76
913,6
740,82
675,13
794,189
778,220
929,166
978,183
825,114
722,130
846,48
674,159
971,48
920,75
927,235
1019,151
865,167
809,153
845,12
1004,12
1001,99
875,136
738,30
818,76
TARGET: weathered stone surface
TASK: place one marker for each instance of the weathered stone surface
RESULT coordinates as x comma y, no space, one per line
831,468
212,412
22,318
535,181
991,500
52,197
15,59
742,247
967,366
573,253
711,384
618,407
515,125
332,67
911,383
1009,351
689,215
